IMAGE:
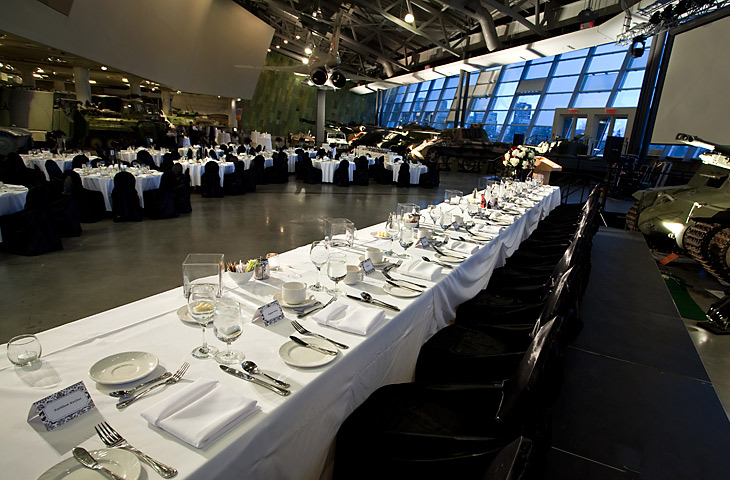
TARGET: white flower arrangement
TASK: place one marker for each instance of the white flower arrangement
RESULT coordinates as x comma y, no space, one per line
521,156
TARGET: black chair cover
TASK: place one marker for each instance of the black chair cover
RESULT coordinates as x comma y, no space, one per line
361,174
167,163
159,203
210,181
30,232
312,175
145,158
182,189
233,183
55,177
404,175
125,200
259,170
190,153
383,176
91,202
79,161
341,177
430,179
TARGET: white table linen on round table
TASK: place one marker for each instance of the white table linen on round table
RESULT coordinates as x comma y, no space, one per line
328,168
196,171
12,199
130,156
263,139
414,170
105,185
290,437
64,162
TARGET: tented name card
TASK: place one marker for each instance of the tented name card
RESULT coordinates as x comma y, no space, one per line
269,313
424,242
367,266
456,226
64,406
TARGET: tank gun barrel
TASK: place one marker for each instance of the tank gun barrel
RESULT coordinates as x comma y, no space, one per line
696,141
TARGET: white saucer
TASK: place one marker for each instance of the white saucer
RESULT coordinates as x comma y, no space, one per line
376,265
123,368
376,235
399,291
448,258
309,301
299,356
121,462
184,315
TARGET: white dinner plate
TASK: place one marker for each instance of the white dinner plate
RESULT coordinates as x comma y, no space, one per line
448,258
121,462
123,368
380,235
399,291
309,301
376,265
184,315
299,356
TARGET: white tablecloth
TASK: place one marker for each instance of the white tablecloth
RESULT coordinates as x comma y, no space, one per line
328,168
196,170
184,151
263,139
223,137
415,171
130,156
105,185
12,199
290,437
64,162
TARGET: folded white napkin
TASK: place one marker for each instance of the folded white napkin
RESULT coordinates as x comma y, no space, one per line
200,412
416,267
488,229
463,247
350,318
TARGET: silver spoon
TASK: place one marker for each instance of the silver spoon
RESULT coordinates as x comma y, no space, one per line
369,298
252,368
426,259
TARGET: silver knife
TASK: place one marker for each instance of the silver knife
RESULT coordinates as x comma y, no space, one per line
312,346
314,309
404,286
374,301
387,275
238,373
88,461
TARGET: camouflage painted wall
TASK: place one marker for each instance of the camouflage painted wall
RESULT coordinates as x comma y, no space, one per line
280,101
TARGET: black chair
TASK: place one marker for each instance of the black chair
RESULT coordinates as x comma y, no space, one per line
30,232
301,164
159,202
125,200
79,161
341,177
91,202
312,175
281,168
233,183
258,170
55,177
416,430
404,175
167,163
145,158
383,176
431,178
361,176
259,148
182,189
64,211
210,181
212,154
241,149
190,154
321,153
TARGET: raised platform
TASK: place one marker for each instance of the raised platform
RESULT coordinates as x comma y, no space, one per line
636,400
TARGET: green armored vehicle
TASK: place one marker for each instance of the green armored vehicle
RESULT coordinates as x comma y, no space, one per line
695,216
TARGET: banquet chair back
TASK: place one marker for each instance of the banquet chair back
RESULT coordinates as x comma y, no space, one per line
404,175
233,182
55,177
312,175
212,154
167,163
90,202
361,175
79,161
159,202
210,181
281,168
321,153
300,167
259,170
341,176
30,232
190,153
125,200
241,149
145,158
382,175
182,189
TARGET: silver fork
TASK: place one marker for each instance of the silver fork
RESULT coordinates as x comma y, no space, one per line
299,328
174,379
112,439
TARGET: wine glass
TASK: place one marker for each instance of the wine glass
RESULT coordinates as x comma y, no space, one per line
319,253
228,325
406,238
392,228
201,306
336,271
434,212
445,220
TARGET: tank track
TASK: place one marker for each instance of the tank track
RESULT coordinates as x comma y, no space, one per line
632,217
708,244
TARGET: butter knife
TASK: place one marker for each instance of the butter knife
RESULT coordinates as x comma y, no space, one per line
312,346
314,309
387,275
374,301
85,459
245,376
390,282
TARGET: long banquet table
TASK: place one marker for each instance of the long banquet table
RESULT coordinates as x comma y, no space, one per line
288,437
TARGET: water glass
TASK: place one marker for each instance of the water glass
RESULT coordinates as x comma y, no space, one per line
336,271
453,197
319,253
203,268
24,350
228,326
201,306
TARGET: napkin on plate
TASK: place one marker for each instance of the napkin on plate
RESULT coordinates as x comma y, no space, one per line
350,318
487,229
200,412
463,247
416,267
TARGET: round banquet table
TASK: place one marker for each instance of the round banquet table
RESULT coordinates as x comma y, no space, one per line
130,156
328,168
415,171
196,170
64,162
12,199
105,185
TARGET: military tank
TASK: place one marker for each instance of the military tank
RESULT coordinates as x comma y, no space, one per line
695,217
470,147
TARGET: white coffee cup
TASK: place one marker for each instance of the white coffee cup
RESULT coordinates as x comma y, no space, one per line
458,219
375,254
354,275
425,232
294,293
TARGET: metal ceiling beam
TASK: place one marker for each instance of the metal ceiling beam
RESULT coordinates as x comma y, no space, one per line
505,10
406,26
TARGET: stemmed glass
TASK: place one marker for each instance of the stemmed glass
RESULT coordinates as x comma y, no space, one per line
228,325
434,212
201,306
392,228
445,220
406,238
319,253
336,271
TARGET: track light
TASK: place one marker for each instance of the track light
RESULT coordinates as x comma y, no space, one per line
409,18
637,46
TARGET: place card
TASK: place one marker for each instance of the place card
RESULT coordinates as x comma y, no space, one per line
269,313
367,266
424,242
456,226
64,406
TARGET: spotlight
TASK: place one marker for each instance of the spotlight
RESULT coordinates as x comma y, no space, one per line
318,76
637,46
409,18
338,79
656,18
